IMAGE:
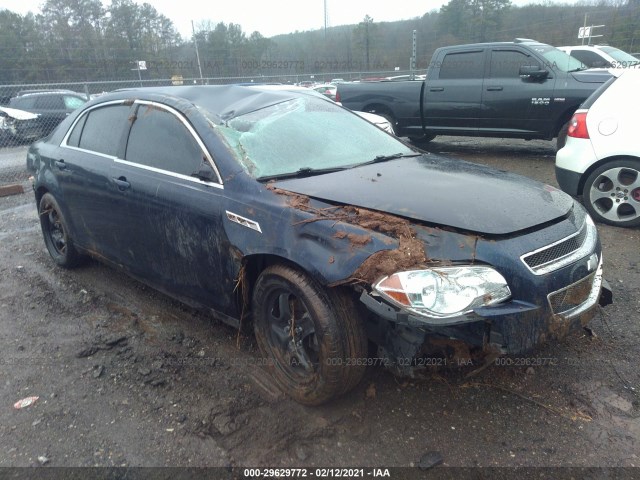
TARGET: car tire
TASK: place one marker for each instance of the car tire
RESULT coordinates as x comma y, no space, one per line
56,234
421,141
561,140
312,340
611,193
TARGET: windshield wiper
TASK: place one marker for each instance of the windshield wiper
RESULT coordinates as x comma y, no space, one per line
393,156
579,69
302,172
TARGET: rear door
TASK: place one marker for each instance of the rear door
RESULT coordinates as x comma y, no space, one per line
513,105
83,170
453,93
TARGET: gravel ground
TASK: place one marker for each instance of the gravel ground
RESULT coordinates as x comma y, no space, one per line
125,376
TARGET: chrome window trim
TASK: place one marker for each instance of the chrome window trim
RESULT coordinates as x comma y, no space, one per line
585,249
218,184
196,137
168,173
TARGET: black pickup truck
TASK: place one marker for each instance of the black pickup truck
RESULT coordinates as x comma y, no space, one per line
520,89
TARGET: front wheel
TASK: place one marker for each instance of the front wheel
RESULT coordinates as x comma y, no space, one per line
56,233
611,193
314,343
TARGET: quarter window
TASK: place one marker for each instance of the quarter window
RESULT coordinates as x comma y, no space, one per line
159,139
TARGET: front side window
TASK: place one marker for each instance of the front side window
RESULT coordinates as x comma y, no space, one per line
160,140
305,133
49,102
103,129
507,63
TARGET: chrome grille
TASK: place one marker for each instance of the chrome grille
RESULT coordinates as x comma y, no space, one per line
556,251
563,252
565,300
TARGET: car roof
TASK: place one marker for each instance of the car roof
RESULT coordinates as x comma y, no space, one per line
224,101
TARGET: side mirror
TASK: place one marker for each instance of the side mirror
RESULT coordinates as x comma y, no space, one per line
533,72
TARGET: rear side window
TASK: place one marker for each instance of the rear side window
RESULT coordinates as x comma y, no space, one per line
159,139
462,65
103,129
590,59
22,102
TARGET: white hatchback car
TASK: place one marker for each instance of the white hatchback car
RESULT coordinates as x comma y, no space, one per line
601,159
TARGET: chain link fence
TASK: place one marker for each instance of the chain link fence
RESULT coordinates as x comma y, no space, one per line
30,112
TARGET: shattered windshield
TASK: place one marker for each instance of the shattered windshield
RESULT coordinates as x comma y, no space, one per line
305,133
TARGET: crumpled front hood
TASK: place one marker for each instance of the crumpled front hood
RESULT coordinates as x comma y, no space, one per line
443,192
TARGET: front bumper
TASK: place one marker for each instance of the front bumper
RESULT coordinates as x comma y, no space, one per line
512,327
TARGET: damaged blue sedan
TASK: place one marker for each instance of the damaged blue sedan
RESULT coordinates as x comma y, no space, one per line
232,200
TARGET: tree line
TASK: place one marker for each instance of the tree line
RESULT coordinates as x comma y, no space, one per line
82,40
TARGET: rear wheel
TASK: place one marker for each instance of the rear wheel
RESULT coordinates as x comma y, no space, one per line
423,140
611,193
313,339
56,233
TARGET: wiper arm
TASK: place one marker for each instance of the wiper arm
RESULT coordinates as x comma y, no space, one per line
579,69
393,156
302,172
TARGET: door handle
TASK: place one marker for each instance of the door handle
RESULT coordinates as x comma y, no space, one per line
436,89
121,183
494,89
60,164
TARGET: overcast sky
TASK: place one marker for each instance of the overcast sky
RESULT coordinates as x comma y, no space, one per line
273,17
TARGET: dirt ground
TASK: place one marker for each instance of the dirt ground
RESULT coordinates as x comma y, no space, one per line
126,376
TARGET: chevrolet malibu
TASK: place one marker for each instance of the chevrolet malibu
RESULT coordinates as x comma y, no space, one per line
229,199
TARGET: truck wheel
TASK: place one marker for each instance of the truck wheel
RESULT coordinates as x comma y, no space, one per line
611,193
423,140
562,136
310,340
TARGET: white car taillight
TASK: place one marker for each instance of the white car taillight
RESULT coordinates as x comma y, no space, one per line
578,126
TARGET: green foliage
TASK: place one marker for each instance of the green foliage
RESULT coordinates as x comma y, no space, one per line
82,40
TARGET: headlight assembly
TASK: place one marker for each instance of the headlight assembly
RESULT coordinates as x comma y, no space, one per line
445,291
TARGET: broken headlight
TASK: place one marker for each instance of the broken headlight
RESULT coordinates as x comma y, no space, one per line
446,291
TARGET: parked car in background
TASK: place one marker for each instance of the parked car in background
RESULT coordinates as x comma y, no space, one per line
326,89
520,89
52,107
601,56
380,122
601,160
230,199
18,124
336,81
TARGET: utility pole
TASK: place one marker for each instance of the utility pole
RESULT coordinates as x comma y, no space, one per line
195,41
584,27
326,19
412,64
